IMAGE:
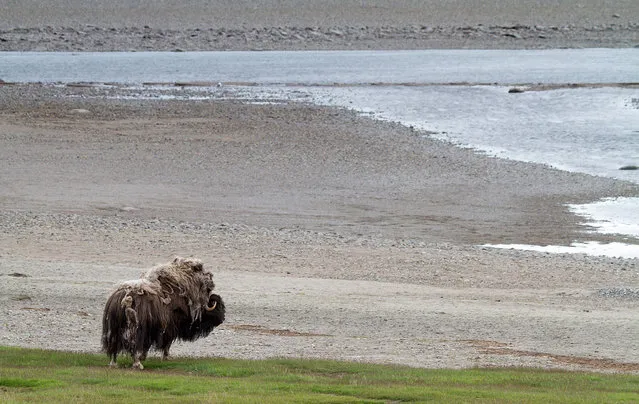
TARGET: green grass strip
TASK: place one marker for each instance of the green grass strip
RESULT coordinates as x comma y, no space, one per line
30,375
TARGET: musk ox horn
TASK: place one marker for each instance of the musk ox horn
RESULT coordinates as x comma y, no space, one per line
211,308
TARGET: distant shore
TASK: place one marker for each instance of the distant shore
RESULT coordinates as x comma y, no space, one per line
198,25
99,39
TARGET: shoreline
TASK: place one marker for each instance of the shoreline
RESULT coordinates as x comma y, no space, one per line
581,237
475,176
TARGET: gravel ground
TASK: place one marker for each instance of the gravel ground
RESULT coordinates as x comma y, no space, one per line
330,235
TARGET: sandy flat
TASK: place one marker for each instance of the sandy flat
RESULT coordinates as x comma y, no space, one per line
330,235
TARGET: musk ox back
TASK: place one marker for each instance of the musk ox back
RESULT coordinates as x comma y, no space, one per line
168,302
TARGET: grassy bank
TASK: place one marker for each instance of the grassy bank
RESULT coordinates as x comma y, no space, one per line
48,376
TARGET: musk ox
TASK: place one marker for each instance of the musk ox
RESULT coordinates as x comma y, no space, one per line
168,302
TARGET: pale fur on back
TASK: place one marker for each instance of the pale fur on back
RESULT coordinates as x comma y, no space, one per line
184,276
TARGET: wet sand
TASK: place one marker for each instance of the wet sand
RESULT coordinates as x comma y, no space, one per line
331,235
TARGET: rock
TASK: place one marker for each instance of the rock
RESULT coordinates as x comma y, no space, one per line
316,34
631,167
512,35
516,90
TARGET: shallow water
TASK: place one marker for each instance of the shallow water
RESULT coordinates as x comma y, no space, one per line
590,130
325,67
595,131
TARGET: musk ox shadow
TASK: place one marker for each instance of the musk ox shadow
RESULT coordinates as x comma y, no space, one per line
168,302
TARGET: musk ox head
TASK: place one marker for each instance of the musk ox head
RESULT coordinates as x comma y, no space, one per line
168,302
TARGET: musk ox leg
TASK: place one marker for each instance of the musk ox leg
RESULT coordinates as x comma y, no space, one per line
139,353
165,344
136,361
134,335
114,324
165,352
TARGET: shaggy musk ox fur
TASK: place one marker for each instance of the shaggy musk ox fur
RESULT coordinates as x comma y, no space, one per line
168,302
